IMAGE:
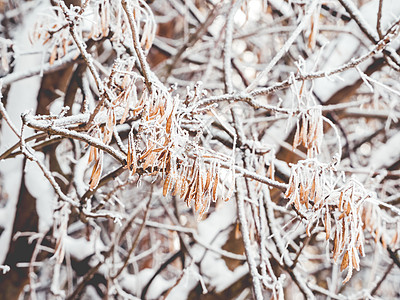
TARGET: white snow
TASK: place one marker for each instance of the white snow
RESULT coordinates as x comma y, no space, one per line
41,189
22,96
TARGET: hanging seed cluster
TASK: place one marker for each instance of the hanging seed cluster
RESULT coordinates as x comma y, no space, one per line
309,132
343,211
104,18
49,31
156,147
197,184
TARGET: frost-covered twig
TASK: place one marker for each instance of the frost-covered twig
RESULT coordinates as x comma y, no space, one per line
135,240
136,44
306,18
82,48
279,242
255,176
26,151
247,243
46,68
48,127
355,14
228,46
249,97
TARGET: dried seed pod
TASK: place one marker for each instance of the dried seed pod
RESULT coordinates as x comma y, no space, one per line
126,111
361,249
308,228
166,186
271,171
296,198
342,215
318,191
149,160
176,185
349,274
199,192
302,194
184,188
208,181
383,241
191,192
327,224
336,245
131,155
206,205
147,152
292,186
169,124
345,261
304,130
96,172
355,260
393,242
313,187
53,56
214,188
296,140
93,154
344,233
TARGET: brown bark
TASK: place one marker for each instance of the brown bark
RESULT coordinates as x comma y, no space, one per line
20,249
26,217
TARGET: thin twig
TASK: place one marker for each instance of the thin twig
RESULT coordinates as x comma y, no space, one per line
247,243
136,45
